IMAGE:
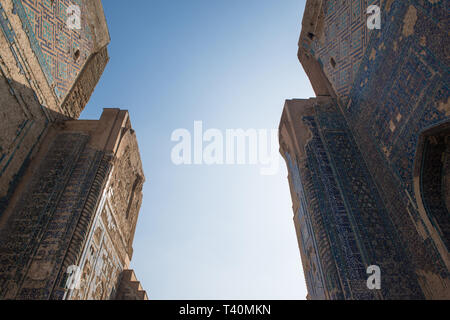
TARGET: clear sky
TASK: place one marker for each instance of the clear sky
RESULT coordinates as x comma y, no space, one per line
207,232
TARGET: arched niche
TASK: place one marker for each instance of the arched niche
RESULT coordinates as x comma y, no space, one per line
432,184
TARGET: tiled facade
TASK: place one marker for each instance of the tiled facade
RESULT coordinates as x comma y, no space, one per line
56,44
368,159
67,213
340,42
70,190
34,90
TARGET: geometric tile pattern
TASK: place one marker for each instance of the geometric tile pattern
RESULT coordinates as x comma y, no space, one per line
356,181
345,217
63,51
315,263
100,265
345,39
401,90
45,219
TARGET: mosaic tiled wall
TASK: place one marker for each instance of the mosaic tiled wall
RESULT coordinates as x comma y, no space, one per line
63,51
23,118
402,89
44,237
403,85
46,227
79,208
38,66
361,157
101,264
36,238
348,220
312,259
109,243
344,39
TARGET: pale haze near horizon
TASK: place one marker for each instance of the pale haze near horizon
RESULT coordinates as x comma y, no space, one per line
207,232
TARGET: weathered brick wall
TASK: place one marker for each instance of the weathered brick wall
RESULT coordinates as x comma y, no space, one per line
126,188
130,288
79,95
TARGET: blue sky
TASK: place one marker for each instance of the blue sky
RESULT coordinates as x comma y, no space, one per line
207,232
